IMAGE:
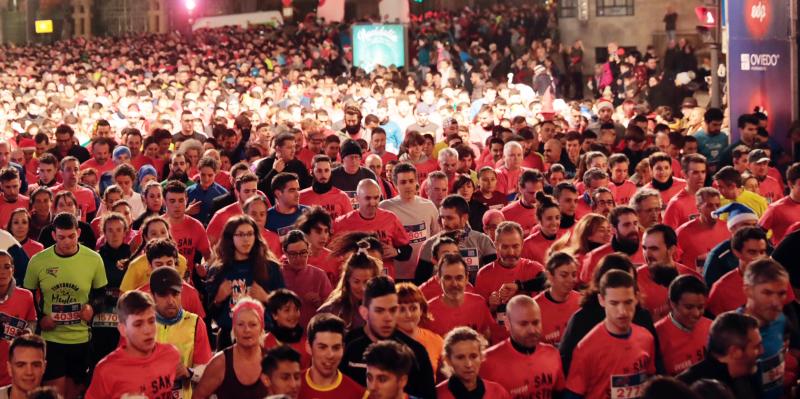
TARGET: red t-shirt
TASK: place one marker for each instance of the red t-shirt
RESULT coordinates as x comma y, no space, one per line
623,192
17,313
7,207
107,167
534,160
655,297
32,247
191,237
273,241
680,348
516,212
678,185
770,189
305,156
582,209
536,245
727,293
779,216
692,248
680,209
556,315
84,196
120,373
343,388
424,168
217,223
335,201
492,276
433,288
473,313
605,366
492,389
593,258
385,224
190,299
524,376
507,180
328,263
300,346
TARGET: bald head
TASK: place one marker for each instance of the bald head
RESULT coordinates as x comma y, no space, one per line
368,194
524,321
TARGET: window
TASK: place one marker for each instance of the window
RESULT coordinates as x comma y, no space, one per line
614,8
568,8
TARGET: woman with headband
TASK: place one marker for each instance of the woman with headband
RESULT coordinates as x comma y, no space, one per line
234,372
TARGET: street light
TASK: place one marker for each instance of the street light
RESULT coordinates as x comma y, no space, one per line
190,5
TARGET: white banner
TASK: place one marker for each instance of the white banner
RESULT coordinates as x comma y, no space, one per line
331,10
394,11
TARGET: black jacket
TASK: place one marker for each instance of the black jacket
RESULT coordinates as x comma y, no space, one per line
710,368
420,379
592,314
265,173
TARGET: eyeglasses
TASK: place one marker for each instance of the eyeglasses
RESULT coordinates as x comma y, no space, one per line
245,235
297,254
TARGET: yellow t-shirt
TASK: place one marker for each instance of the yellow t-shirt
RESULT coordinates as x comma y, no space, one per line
138,273
751,200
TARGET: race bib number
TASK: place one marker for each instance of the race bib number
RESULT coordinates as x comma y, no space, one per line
470,256
627,386
417,233
12,326
772,371
285,230
66,314
353,198
105,320
501,318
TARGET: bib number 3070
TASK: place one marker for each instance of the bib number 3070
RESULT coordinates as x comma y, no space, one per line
627,386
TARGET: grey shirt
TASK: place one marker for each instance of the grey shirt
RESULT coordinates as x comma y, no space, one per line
475,248
420,218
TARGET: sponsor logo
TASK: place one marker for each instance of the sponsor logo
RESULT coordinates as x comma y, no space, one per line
758,62
758,17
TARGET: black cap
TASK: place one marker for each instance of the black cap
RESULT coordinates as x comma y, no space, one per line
164,280
350,147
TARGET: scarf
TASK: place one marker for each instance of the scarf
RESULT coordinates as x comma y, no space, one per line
287,335
458,389
662,186
567,221
169,322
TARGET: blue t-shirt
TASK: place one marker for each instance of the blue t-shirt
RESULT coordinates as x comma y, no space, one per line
771,363
711,146
206,197
281,223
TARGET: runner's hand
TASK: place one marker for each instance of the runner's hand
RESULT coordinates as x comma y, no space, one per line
87,312
47,323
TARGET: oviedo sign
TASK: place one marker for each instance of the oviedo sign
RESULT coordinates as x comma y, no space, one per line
759,62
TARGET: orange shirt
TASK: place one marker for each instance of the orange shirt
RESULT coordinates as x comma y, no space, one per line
121,373
680,348
492,389
535,375
556,315
604,365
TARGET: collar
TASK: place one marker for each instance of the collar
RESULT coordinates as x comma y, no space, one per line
169,322
458,389
321,388
678,324
11,287
662,186
521,349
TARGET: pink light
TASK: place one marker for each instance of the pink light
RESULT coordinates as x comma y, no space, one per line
190,5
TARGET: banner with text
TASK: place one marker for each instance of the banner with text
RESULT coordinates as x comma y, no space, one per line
383,44
759,63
